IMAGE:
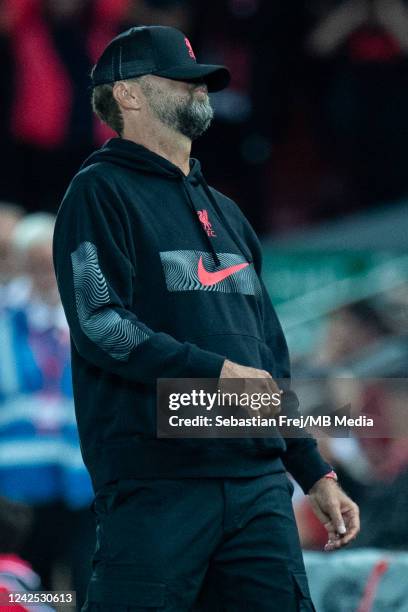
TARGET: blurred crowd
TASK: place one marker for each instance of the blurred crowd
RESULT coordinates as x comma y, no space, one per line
360,369
313,126
40,460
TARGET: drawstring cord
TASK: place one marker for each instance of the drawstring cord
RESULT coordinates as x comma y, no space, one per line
234,237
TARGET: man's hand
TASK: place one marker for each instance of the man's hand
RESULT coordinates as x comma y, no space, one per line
338,513
255,381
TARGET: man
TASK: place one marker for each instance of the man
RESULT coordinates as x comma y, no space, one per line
159,275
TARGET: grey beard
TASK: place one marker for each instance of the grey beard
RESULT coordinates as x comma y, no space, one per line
194,119
191,118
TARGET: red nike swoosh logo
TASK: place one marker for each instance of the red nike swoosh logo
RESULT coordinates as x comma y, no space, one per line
212,278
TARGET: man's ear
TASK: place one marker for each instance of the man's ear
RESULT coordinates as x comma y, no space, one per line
126,95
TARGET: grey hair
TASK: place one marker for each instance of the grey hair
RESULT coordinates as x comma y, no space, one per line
106,108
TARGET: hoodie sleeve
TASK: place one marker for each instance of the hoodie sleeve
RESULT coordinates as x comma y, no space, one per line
302,458
95,279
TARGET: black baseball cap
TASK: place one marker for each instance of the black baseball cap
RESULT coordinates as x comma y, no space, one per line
158,50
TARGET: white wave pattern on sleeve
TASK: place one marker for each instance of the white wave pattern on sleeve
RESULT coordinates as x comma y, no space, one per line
98,320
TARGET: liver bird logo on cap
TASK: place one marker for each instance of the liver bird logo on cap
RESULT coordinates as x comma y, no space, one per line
189,47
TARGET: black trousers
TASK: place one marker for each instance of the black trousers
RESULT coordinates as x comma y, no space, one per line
196,545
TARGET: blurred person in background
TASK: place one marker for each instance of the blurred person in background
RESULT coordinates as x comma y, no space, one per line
16,574
10,215
366,373
40,462
31,249
386,453
51,46
373,469
350,330
358,52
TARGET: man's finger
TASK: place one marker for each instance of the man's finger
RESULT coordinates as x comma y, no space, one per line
352,516
352,520
322,516
337,518
333,537
331,532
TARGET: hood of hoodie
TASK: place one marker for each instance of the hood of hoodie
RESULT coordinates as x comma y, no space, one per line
136,157
133,156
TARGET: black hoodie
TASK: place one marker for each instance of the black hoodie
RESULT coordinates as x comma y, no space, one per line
137,249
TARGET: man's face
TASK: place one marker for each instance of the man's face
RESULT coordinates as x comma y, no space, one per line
184,107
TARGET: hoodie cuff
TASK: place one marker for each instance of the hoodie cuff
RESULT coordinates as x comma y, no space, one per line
307,467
